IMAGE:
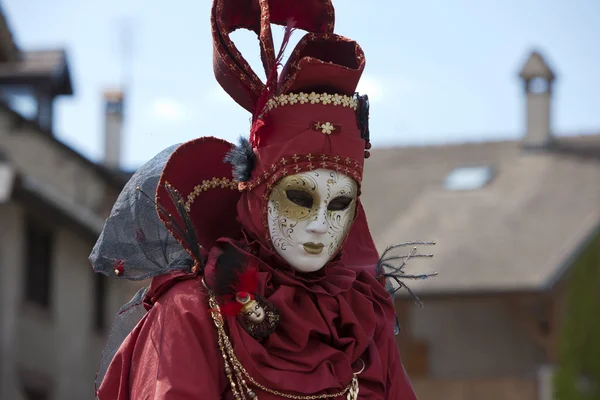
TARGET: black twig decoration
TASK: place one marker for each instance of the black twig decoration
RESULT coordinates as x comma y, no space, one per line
395,273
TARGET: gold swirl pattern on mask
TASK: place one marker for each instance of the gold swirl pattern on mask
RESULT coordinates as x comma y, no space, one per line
339,226
288,208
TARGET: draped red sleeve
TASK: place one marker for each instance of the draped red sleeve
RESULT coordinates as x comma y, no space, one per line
171,354
396,380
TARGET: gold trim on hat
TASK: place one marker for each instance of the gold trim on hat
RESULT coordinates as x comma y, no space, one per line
312,98
209,184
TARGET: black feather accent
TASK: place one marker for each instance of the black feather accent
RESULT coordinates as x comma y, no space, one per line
362,116
187,231
229,265
191,241
391,267
242,159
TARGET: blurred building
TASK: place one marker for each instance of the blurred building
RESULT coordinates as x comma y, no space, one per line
512,221
54,312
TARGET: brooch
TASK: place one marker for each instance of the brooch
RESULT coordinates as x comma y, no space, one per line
235,286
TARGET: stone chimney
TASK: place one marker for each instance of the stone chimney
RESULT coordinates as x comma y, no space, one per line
113,127
537,79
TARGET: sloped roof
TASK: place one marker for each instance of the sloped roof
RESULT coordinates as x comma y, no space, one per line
514,234
117,179
39,66
48,66
78,217
8,48
536,67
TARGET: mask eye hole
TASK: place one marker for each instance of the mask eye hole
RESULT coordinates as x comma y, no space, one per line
300,198
339,203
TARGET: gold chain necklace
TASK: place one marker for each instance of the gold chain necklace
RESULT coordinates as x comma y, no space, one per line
237,374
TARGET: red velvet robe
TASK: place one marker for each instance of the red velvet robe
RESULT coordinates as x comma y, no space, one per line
327,324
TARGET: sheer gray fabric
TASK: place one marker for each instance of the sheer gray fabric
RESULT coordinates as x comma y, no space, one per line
136,241
134,236
128,317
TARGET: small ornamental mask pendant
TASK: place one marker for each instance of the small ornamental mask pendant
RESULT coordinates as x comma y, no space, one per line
257,316
236,283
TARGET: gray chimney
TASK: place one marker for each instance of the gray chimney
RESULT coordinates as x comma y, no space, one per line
113,127
537,79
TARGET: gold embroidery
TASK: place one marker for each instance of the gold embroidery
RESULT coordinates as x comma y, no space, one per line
213,183
327,128
312,98
282,168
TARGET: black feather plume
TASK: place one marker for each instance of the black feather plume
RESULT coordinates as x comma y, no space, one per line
242,159
230,265
187,231
171,223
362,116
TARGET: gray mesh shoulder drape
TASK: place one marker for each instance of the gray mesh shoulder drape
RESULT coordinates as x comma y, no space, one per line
135,242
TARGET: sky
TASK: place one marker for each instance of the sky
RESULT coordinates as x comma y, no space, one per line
437,71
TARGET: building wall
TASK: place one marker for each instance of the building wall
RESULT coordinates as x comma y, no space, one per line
10,282
477,389
53,168
57,348
474,339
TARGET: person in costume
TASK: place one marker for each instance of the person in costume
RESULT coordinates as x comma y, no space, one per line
266,282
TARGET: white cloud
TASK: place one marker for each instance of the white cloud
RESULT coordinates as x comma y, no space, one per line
169,110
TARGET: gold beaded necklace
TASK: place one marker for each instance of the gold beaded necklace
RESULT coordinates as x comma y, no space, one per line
238,376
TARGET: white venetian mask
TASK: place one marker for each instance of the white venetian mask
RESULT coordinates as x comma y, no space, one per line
310,214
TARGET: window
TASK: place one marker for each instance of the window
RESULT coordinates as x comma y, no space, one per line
35,385
99,302
469,178
538,85
21,100
39,240
35,394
